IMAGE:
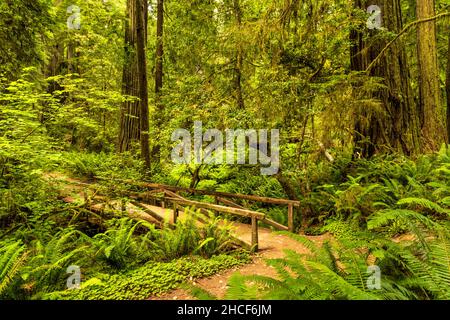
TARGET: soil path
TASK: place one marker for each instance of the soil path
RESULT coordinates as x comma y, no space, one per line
272,245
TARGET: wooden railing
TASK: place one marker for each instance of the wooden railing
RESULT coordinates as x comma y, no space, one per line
171,195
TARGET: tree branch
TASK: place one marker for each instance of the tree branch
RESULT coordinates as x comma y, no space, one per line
404,30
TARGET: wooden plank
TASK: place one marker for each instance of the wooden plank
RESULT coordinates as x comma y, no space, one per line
291,217
229,203
218,208
254,234
148,211
275,224
241,243
211,193
137,215
174,195
175,213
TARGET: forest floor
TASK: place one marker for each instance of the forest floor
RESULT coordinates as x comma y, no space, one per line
271,245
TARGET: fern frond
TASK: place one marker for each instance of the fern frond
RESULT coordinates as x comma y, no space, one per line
425,203
12,259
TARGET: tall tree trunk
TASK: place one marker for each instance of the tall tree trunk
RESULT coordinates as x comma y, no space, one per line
130,113
430,112
141,32
159,73
447,89
394,126
239,58
159,48
54,66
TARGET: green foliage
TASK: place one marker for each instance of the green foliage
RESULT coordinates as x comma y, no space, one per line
12,259
90,165
152,279
418,268
24,26
48,262
216,234
231,64
392,213
385,182
187,237
117,246
127,251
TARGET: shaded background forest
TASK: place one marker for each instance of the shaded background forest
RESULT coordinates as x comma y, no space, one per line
314,70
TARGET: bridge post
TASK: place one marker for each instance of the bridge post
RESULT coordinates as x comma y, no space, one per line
291,217
175,213
255,234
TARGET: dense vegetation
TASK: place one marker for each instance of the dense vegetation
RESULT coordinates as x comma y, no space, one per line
95,89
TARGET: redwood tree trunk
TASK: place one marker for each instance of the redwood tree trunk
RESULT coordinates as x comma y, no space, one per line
159,74
433,132
239,58
447,89
159,48
142,18
394,126
129,120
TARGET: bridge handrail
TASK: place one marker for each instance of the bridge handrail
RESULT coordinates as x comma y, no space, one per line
295,203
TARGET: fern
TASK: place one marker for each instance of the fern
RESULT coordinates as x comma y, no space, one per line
188,237
46,269
117,246
425,203
13,257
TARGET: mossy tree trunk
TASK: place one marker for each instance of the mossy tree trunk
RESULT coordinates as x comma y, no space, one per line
394,125
447,89
134,121
239,58
430,111
159,77
141,33
129,120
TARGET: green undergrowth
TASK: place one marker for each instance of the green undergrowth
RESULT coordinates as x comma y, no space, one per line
152,279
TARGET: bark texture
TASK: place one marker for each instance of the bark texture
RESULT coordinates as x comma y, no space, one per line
430,112
393,126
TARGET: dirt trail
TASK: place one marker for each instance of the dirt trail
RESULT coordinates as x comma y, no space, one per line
272,245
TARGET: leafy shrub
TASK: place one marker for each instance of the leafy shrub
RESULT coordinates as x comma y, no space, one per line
188,237
117,246
151,279
384,182
90,165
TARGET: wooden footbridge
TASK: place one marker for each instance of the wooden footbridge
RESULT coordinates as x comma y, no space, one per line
162,204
